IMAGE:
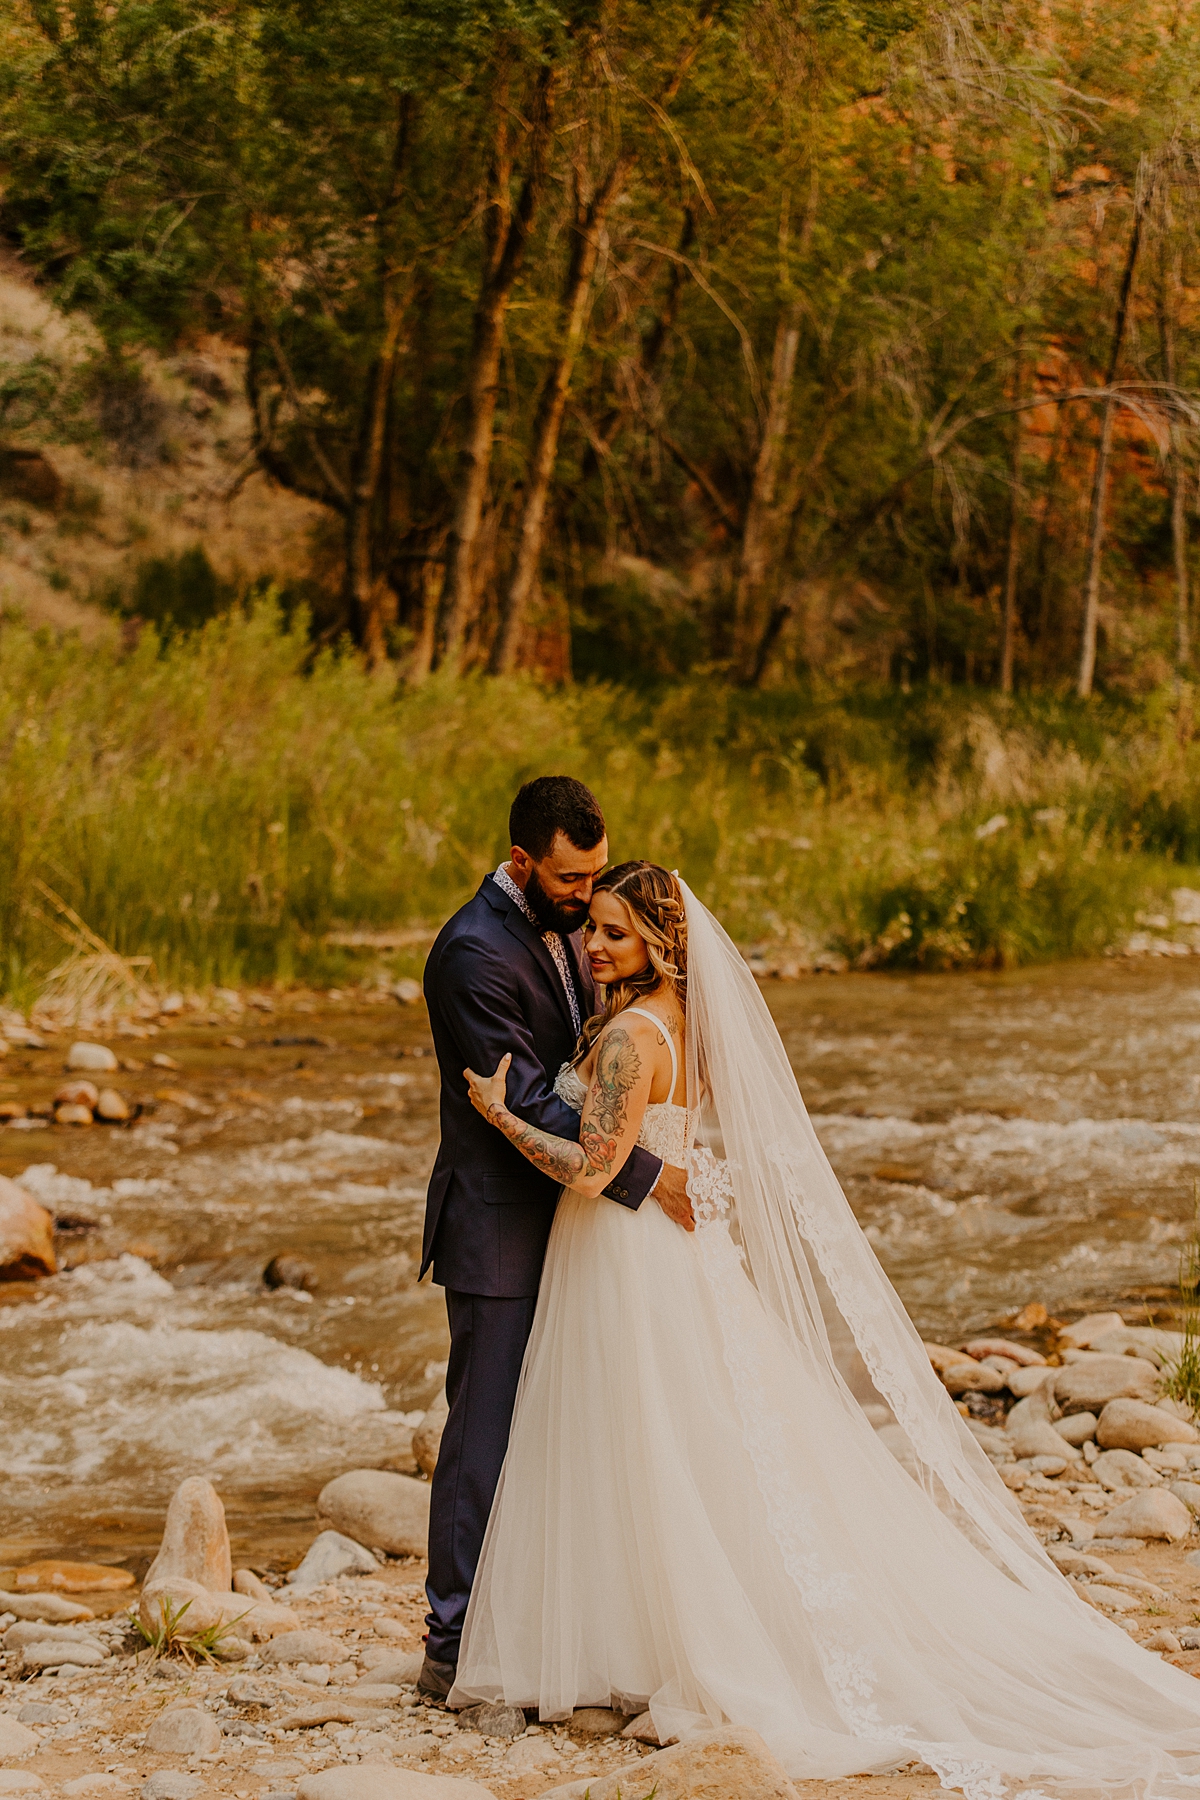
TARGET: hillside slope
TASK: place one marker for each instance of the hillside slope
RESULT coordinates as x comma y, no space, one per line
144,472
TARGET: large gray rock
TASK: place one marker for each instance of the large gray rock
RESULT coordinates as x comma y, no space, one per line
382,1781
1089,1385
26,1235
726,1764
1116,1469
492,1721
184,1731
305,1647
328,1556
384,1511
1132,1425
195,1542
589,1722
1152,1514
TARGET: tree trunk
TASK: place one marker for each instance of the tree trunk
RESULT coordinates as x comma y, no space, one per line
758,532
1091,593
508,237
1008,632
1168,297
548,423
364,592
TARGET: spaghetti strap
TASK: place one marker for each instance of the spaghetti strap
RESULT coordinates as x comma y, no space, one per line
654,1018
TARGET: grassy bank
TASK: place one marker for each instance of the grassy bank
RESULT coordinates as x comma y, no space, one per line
220,806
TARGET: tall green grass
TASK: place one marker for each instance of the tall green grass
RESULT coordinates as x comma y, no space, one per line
222,801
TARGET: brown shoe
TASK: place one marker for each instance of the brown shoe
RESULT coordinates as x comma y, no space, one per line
436,1678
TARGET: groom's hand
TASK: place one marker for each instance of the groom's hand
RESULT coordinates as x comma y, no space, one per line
670,1190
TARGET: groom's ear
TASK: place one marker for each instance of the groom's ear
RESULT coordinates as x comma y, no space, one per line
520,859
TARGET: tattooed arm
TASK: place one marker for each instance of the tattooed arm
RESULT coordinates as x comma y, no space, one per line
612,1113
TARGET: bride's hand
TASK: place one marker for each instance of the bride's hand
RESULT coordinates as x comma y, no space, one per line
487,1091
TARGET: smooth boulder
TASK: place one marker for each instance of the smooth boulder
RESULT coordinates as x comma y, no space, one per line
94,1058
1089,1384
50,1607
72,1577
329,1555
1132,1425
1151,1514
1030,1432
26,1235
383,1781
184,1731
304,1647
378,1509
1085,1331
427,1438
725,1764
1115,1469
1078,1428
16,1740
1189,1493
195,1542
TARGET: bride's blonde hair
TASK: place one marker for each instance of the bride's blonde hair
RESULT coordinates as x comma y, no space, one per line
654,900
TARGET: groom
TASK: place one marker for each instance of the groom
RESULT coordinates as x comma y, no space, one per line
505,974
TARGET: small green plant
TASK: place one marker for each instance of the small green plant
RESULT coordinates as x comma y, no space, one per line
1181,1379
169,1638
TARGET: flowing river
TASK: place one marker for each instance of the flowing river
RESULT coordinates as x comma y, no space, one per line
1002,1138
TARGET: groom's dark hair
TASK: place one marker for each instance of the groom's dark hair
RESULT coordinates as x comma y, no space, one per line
551,804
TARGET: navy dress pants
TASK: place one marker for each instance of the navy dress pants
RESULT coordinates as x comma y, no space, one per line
487,1346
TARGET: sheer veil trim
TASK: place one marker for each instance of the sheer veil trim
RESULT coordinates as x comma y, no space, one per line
768,1205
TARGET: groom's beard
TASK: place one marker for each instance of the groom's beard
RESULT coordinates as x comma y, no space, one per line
564,916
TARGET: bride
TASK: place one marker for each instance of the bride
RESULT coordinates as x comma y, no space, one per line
696,1515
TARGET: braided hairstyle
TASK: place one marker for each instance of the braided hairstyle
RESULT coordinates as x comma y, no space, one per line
654,900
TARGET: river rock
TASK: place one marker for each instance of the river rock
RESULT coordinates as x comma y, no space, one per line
184,1731
1085,1331
1116,1469
195,1542
1146,1341
1163,1640
981,1347
290,1272
1111,1598
35,1631
596,1722
52,1653
973,1378
530,1753
304,1647
402,1670
1132,1425
328,1556
78,1093
26,1235
1089,1385
73,1115
1148,1515
1023,1382
170,1784
726,1764
44,1606
383,1781
427,1438
246,1582
384,1511
73,1577
1031,1433
20,1781
16,1740
113,1107
493,1721
95,1058
1189,1493
1078,1428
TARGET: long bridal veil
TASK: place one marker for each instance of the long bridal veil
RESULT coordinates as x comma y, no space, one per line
940,1627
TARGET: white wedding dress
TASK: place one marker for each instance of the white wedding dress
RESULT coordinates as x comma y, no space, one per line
696,1516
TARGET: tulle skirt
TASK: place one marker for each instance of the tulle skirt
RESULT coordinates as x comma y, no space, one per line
694,1518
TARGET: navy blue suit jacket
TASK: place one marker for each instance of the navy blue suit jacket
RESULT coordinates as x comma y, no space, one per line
492,986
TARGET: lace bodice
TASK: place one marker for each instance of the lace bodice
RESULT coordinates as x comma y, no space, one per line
664,1127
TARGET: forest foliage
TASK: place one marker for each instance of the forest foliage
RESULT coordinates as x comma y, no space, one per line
756,340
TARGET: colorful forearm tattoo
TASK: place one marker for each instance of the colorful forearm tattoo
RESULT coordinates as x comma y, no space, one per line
603,1125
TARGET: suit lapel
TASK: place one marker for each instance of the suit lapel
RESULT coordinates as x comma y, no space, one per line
516,922
584,985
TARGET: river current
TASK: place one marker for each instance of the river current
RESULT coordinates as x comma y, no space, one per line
1002,1138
